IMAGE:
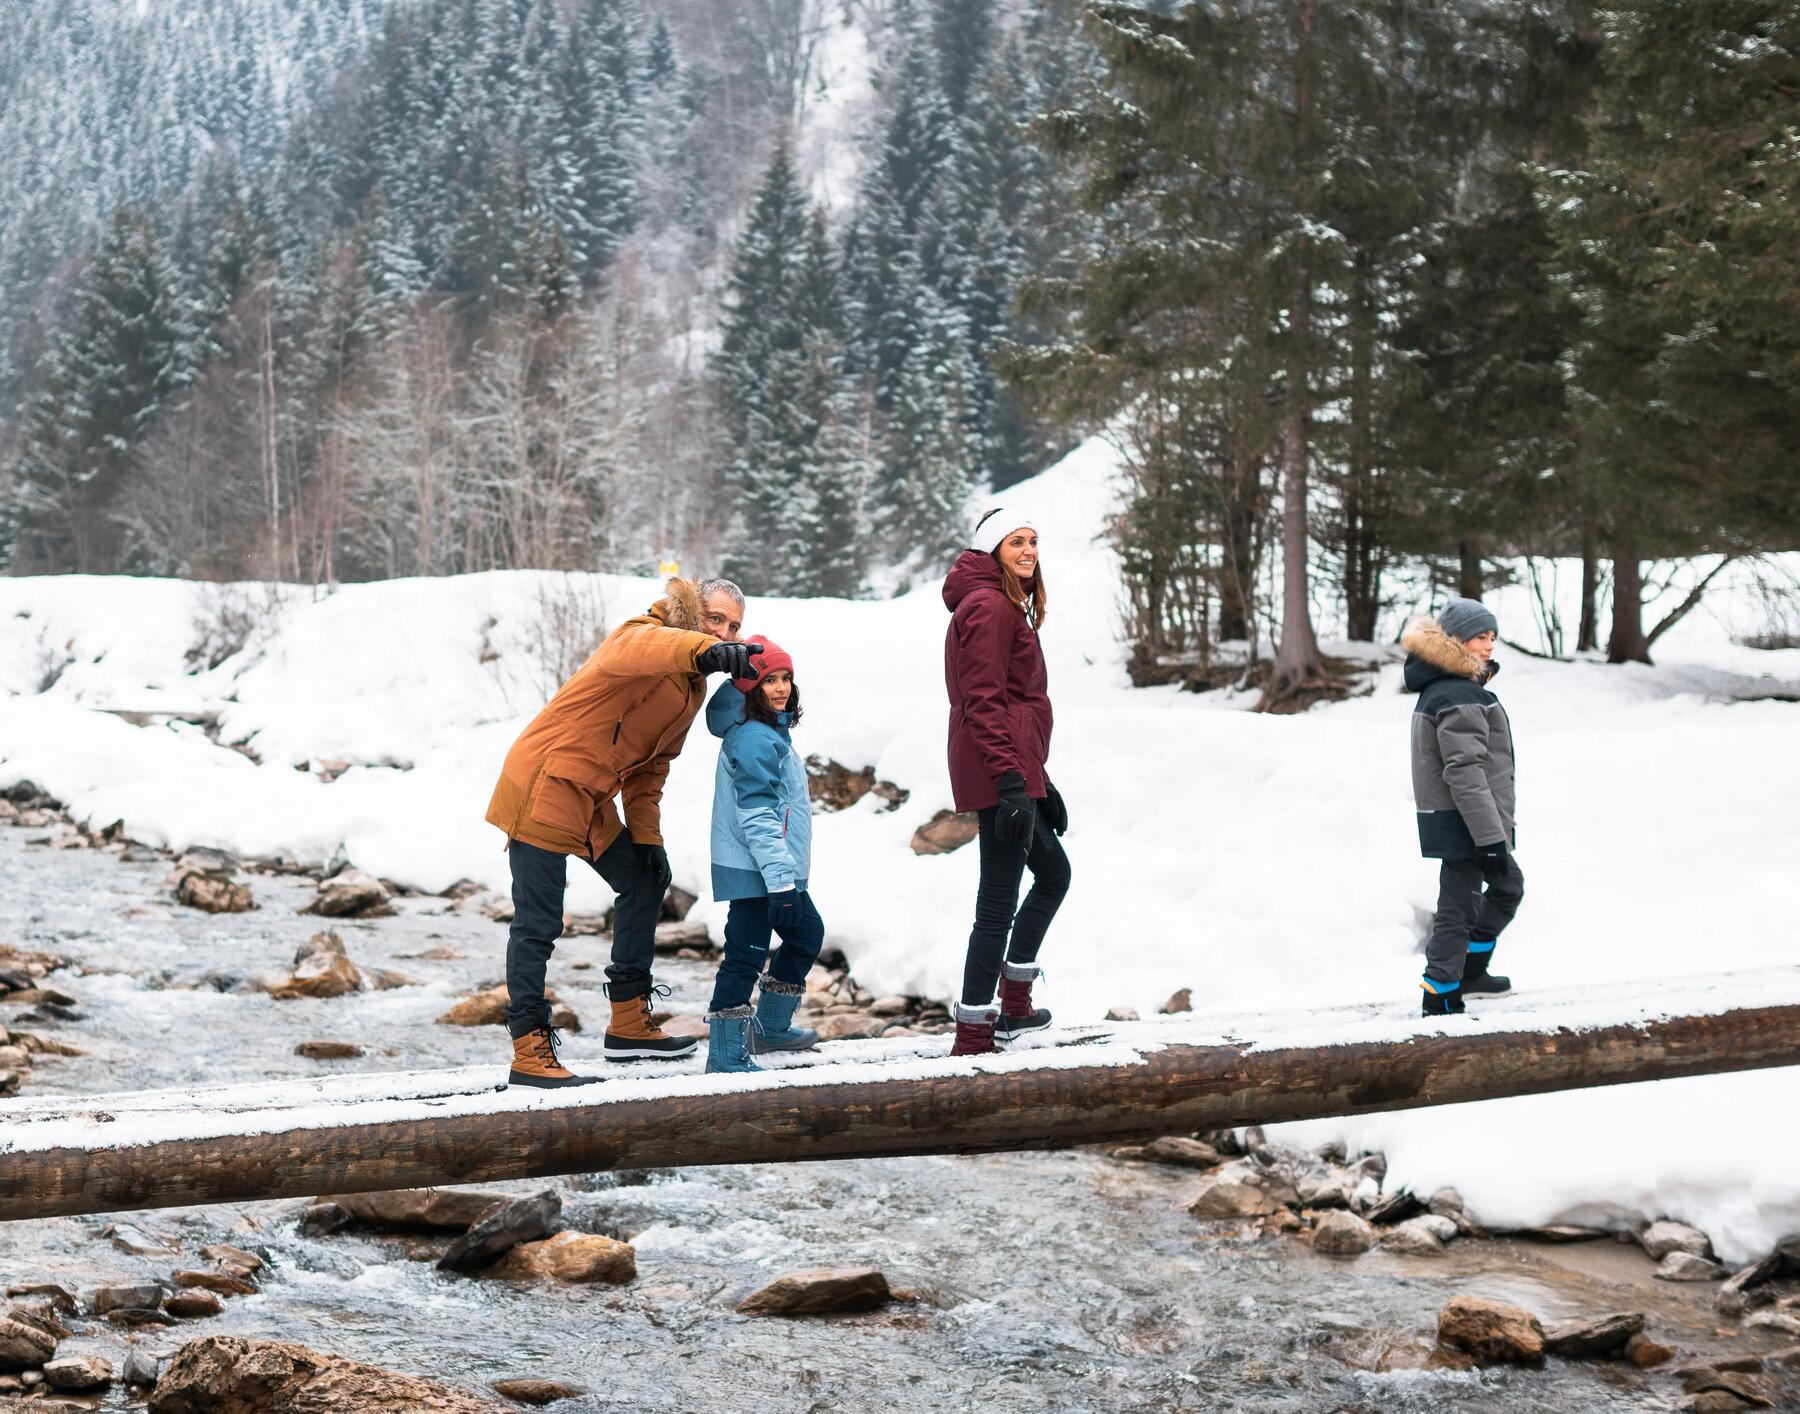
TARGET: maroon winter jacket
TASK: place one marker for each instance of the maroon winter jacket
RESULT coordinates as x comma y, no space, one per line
999,692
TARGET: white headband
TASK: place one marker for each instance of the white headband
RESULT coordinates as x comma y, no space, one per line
994,527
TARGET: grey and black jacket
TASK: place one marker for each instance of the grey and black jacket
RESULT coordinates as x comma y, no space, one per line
1462,747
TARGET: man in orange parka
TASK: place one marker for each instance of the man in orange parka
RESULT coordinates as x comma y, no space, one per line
612,729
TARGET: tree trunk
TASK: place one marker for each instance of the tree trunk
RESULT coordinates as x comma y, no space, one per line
1468,570
67,1156
1587,637
1627,644
1237,580
1362,573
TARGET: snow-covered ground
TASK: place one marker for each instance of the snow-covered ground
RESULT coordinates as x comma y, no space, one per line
1264,862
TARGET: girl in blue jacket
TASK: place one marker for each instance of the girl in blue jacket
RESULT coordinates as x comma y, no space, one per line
761,851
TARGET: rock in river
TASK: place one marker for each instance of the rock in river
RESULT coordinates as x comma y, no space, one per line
817,1291
1492,1331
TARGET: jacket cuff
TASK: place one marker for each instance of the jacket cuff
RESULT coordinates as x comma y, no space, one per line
644,829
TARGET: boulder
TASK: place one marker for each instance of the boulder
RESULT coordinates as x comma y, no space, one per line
225,1374
350,893
328,1050
1646,1353
890,1006
1781,1322
1413,1238
1181,1001
1342,1234
193,1304
141,1367
1595,1336
1697,1374
213,893
322,970
1395,1208
944,832
1445,1203
1728,1389
1122,1013
851,1027
129,1238
1663,1237
138,1317
1493,1332
322,1219
521,1220
78,1372
1685,1266
24,1343
233,1259
1331,1189
1226,1198
1181,1151
572,1257
819,1291
536,1392
488,1008
139,1296
453,1208
222,1282
673,937
47,1294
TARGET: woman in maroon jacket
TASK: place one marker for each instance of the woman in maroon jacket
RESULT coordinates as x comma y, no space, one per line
999,742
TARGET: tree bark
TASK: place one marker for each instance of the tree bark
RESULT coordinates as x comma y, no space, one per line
1468,569
382,1131
1587,637
1627,644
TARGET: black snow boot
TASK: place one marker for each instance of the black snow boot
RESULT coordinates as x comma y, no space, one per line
1477,981
1441,998
1017,1015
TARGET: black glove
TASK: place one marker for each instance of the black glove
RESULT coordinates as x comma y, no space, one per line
1018,811
732,659
784,908
653,859
1056,814
1494,854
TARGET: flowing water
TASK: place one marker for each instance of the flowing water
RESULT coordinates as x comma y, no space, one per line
1060,1281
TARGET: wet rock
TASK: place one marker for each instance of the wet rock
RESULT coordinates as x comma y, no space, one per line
322,969
1727,1390
1342,1234
1730,1298
141,1367
1445,1203
15,1059
213,893
1395,1208
1444,1229
41,995
235,1375
222,1282
136,1318
537,1392
129,1238
1663,1237
328,1050
673,937
1414,1239
572,1257
1696,1374
890,1006
1332,1189
1370,1166
1596,1336
1493,1332
350,893
1181,1151
1232,1197
24,1343
142,1295
1646,1353
1783,1322
205,860
9,1082
1181,1001
488,1008
1788,1356
851,1027
194,1304
522,1220
78,1372
456,1209
323,1219
1685,1266
944,832
234,1260
1561,1232
819,1291
47,1293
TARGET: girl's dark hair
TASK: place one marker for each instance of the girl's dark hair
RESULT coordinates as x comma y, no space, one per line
757,709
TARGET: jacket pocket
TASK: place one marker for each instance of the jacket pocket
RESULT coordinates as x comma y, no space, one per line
567,793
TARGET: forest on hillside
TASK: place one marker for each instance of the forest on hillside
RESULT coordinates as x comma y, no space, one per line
352,289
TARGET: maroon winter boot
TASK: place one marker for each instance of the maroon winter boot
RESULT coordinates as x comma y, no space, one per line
1017,1015
975,1030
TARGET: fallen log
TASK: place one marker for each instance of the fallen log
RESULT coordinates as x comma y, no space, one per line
867,1099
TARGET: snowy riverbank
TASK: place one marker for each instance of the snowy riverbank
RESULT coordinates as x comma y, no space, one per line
1263,862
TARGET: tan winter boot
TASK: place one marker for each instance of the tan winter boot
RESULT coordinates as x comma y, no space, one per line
632,1035
535,1062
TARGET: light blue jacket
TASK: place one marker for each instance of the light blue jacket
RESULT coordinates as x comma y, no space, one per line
762,814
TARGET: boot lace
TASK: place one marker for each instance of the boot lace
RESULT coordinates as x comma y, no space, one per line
656,993
549,1041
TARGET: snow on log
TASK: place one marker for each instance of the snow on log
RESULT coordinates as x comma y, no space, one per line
62,1155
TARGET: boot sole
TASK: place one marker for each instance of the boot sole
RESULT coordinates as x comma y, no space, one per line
545,1082
1013,1033
632,1055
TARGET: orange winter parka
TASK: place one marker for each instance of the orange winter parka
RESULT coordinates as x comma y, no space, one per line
612,729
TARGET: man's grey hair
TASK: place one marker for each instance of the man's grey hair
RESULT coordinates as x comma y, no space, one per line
715,585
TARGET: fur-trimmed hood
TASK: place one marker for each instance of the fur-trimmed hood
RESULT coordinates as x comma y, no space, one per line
680,607
1432,653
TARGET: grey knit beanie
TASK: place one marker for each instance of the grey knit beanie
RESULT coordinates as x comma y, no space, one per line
1463,619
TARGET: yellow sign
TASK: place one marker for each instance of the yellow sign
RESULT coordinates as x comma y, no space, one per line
669,569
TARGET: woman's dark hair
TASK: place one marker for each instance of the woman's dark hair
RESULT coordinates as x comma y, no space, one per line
757,709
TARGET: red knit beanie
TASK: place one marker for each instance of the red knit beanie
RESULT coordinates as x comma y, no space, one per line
772,658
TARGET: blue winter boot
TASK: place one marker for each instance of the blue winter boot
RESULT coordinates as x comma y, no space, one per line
774,1029
728,1042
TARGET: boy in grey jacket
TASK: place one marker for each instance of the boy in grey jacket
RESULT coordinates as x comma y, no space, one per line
1462,772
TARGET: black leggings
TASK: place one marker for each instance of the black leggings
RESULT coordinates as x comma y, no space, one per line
1001,868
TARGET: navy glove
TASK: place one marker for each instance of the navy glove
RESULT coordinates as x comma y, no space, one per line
732,659
1056,814
1017,818
784,908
